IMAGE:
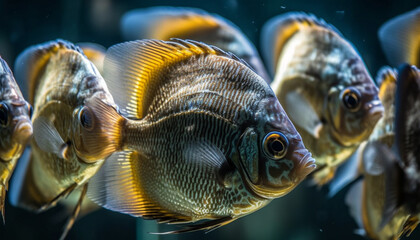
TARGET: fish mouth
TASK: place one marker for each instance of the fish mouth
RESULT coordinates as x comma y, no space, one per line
375,111
308,165
22,132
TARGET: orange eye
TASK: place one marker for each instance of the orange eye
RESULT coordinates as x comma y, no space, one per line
275,145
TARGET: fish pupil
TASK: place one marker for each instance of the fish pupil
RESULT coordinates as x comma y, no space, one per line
3,114
277,146
86,119
351,98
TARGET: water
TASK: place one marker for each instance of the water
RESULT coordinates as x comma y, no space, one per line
305,214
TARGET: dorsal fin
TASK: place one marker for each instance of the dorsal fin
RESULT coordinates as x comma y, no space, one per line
278,30
400,38
31,62
132,69
386,75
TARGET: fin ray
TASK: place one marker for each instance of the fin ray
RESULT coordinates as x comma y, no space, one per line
131,69
115,179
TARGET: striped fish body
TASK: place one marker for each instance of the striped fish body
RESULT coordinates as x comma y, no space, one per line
15,127
68,145
198,121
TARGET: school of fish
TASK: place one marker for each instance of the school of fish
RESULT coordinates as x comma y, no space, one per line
184,124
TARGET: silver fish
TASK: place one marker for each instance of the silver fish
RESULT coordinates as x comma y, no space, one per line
323,85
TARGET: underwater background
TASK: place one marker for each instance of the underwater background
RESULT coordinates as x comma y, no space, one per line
305,213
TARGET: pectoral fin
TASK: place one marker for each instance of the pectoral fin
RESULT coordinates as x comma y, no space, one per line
48,138
302,113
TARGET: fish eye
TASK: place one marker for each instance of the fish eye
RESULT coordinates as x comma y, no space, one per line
351,98
86,118
30,110
4,114
275,145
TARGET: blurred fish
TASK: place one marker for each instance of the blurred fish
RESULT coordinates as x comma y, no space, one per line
400,38
70,140
15,127
205,137
386,203
95,53
323,85
164,23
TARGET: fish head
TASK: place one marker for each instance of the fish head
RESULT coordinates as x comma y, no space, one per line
97,128
353,109
15,127
273,157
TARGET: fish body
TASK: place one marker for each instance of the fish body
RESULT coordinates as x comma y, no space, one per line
15,127
323,85
70,142
204,136
389,203
400,39
164,23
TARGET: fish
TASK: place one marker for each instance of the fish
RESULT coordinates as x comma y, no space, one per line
323,85
15,127
70,140
386,201
205,138
400,37
164,23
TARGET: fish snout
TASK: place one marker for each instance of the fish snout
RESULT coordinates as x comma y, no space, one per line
375,111
23,131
